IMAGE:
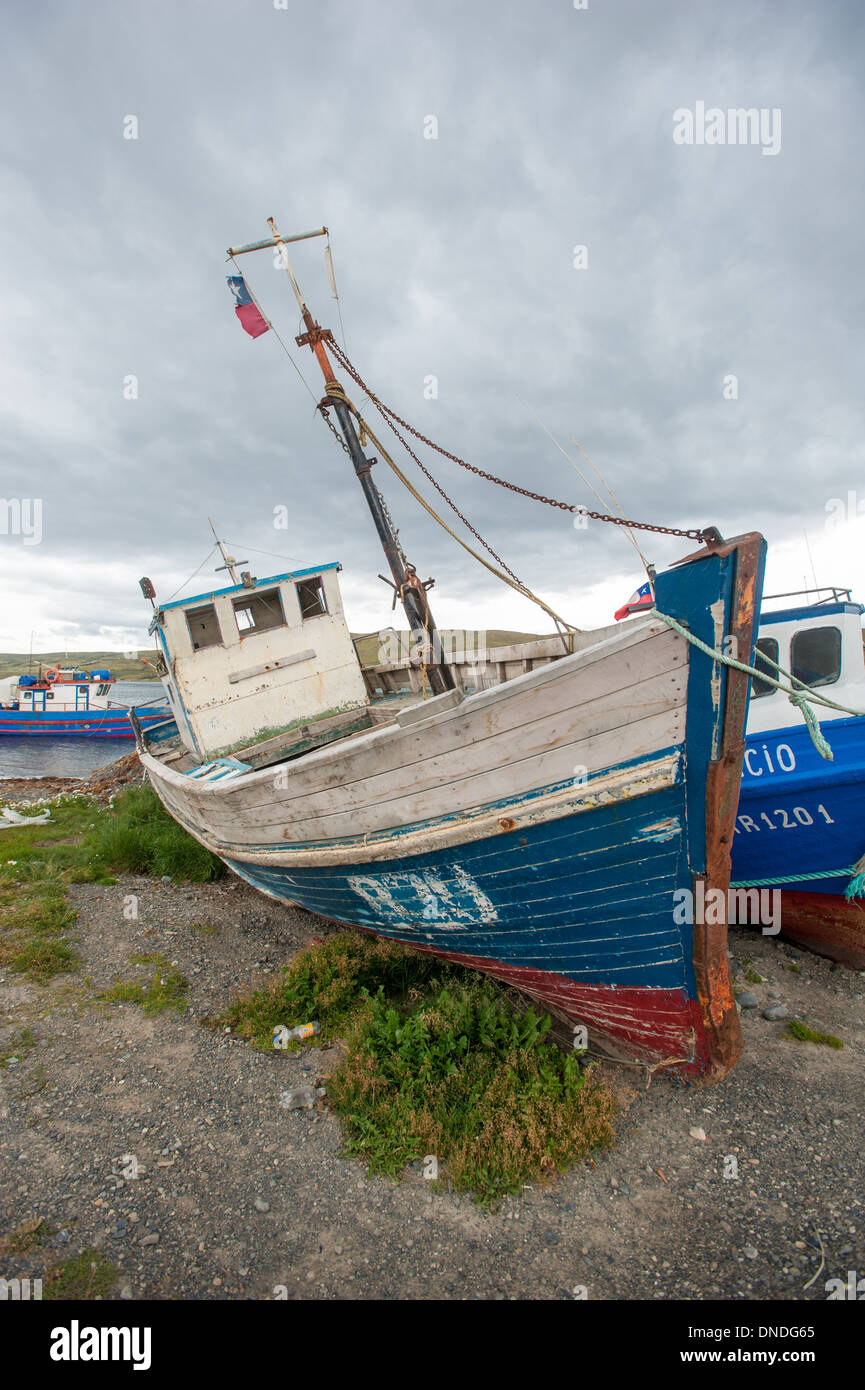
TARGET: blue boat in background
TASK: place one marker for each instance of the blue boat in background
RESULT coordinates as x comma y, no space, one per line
62,702
801,820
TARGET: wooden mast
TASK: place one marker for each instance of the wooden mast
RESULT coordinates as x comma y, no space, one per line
406,584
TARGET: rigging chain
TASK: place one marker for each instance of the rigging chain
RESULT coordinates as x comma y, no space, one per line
390,416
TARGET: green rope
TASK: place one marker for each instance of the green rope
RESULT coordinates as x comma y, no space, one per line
798,698
794,878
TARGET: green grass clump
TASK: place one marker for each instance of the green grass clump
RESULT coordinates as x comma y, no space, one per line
88,1275
803,1033
459,1076
328,983
165,989
26,1236
752,977
436,1063
34,921
138,836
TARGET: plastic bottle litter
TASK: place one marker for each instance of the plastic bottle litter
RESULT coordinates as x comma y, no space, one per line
282,1036
299,1098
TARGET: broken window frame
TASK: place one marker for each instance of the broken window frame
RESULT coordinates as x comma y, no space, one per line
316,582
199,646
245,604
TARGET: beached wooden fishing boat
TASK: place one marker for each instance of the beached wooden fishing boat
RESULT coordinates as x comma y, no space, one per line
548,830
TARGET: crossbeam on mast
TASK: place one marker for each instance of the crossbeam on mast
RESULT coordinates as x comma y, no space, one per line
274,241
405,582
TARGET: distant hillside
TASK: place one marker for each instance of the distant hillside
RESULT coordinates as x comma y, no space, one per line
367,647
125,668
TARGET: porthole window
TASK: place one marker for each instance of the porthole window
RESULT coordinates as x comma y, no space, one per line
766,647
815,656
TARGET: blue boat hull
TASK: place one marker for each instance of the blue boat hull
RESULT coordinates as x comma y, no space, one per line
801,829
801,819
108,724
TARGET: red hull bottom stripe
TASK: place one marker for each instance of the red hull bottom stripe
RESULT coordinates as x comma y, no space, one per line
827,923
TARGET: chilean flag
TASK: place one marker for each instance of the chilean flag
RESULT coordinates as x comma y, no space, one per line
641,599
251,318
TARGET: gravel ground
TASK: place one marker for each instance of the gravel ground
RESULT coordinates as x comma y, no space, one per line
238,1198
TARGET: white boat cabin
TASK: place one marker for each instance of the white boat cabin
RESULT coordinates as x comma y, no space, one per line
59,690
820,645
259,659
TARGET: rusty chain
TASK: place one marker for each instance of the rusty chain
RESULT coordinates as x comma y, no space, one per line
392,419
426,472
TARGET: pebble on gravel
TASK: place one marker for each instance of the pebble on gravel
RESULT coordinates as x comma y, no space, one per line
747,999
776,1013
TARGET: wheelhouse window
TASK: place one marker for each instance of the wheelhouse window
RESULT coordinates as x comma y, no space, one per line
766,647
310,596
258,612
203,627
815,656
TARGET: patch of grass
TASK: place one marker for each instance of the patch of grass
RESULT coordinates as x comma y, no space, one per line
34,920
436,1063
752,977
803,1033
138,836
796,969
165,989
329,983
88,1275
37,864
201,928
459,1076
20,1042
26,1236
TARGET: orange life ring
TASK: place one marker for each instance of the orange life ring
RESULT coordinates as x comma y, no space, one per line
52,674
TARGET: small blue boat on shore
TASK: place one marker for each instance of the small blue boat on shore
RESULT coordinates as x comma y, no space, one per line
62,702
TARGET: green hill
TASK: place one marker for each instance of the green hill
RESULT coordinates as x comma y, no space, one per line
124,666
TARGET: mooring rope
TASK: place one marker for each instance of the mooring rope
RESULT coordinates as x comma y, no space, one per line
798,698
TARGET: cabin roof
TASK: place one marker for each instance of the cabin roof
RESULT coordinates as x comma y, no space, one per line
813,610
246,588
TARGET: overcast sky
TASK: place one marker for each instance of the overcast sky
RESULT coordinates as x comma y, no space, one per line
705,349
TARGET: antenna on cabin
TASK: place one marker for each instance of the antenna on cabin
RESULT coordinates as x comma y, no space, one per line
230,561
